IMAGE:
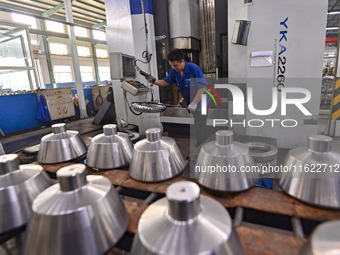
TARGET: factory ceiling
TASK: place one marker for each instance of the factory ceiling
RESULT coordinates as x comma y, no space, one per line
92,12
85,12
333,18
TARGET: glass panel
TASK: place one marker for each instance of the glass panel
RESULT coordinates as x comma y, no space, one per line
14,80
104,73
55,26
99,35
15,53
86,73
58,49
62,74
62,69
81,31
83,51
24,19
14,47
101,53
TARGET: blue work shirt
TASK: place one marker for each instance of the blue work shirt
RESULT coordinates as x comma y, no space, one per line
188,83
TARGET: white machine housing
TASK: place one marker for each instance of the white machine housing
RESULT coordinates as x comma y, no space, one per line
125,34
295,34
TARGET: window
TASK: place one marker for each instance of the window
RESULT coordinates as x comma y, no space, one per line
62,74
81,31
86,73
55,26
34,42
15,81
28,20
99,35
104,73
101,53
58,49
83,51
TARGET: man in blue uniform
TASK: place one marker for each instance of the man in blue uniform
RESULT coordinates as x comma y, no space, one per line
190,79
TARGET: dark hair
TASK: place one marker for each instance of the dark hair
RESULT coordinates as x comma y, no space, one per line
176,55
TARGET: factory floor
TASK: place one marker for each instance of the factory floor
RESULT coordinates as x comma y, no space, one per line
17,141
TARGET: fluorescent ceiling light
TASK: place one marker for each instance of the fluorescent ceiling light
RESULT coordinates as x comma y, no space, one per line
332,28
333,13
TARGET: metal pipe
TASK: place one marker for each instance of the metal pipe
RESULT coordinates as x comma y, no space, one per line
95,60
238,216
297,227
48,56
22,41
75,60
150,198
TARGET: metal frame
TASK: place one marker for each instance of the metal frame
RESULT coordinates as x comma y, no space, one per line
95,60
47,33
37,14
27,67
76,13
47,54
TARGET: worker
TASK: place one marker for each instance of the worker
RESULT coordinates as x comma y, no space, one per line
189,78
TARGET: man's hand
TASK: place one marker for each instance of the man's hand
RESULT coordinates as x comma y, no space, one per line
181,102
150,78
192,107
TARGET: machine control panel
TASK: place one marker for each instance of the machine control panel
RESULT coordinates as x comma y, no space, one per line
134,87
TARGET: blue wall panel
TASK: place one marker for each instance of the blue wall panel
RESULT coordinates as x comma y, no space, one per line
18,112
136,7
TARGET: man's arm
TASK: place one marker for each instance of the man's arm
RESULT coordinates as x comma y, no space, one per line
193,105
161,83
198,96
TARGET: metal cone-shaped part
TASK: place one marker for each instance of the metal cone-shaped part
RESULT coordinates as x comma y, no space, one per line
156,158
220,164
109,150
19,185
324,239
186,223
314,177
80,215
61,146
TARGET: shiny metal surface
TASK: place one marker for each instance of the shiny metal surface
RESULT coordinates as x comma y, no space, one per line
109,150
324,240
184,19
315,176
2,151
156,158
262,151
19,185
148,107
61,146
186,43
186,223
220,164
208,33
78,216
